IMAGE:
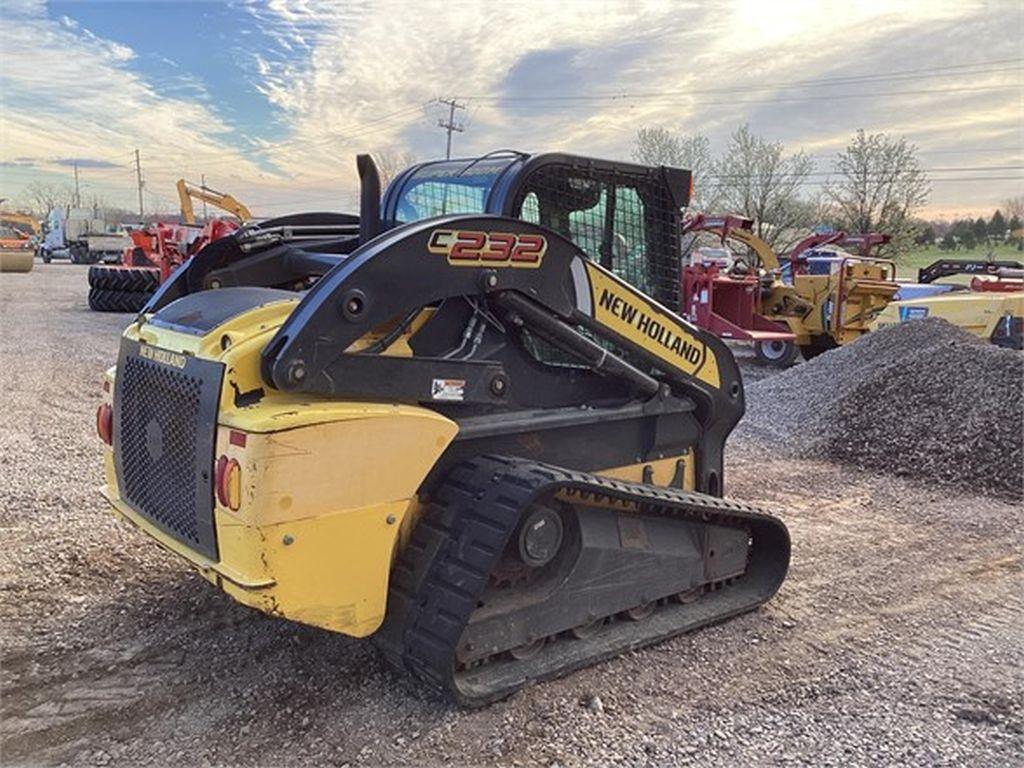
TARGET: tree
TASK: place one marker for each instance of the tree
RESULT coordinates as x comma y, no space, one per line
963,232
948,242
760,181
879,187
997,226
925,234
1014,207
391,161
42,197
657,146
980,229
1016,227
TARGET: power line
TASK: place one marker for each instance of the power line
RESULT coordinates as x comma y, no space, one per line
1016,149
941,180
944,71
788,99
872,174
298,142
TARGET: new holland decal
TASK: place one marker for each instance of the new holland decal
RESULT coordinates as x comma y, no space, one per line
618,307
162,356
470,248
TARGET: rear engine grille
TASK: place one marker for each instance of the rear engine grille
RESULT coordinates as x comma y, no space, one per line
165,423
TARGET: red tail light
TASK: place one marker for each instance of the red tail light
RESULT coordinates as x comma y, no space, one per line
105,423
228,482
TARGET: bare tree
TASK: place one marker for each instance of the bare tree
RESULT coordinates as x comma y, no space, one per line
42,197
391,161
1013,207
880,186
760,181
656,146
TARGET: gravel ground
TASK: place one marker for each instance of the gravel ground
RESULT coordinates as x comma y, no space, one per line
922,399
895,640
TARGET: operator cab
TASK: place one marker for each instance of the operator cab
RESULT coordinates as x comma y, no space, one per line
626,217
621,215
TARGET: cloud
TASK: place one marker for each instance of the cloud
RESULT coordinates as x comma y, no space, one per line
68,93
85,162
684,67
578,76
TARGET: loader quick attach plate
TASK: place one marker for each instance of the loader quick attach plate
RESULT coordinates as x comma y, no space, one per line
165,423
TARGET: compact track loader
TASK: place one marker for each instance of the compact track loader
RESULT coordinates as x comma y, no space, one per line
464,422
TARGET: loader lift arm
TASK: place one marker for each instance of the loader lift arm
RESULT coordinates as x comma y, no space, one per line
643,351
564,299
187,192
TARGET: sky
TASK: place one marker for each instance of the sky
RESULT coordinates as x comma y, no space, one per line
271,101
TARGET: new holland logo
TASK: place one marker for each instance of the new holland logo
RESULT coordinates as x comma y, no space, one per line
469,248
162,356
658,329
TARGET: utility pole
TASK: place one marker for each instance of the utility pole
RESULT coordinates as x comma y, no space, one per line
203,183
78,196
451,126
138,179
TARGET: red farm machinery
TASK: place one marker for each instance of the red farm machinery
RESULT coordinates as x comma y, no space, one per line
158,249
815,300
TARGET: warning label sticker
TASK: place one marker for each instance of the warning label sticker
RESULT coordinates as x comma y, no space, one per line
448,389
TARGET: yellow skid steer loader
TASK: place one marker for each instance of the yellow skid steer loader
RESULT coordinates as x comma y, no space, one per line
465,422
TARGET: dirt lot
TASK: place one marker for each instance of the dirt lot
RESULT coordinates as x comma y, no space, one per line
897,638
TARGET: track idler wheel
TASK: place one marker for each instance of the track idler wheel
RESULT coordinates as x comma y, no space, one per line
528,650
689,596
640,612
587,631
540,537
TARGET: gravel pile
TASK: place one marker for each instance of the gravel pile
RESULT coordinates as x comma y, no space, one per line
924,400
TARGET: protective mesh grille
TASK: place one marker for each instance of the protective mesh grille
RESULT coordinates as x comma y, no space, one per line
625,221
159,408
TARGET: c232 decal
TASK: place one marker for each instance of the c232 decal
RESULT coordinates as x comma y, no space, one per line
470,248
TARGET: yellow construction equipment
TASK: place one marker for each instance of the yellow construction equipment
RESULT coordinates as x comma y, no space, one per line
991,307
16,247
445,424
810,305
225,202
22,218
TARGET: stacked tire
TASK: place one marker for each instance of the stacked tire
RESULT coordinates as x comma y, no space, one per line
121,289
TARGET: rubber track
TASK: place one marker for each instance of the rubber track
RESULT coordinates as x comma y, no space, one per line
143,280
460,538
104,300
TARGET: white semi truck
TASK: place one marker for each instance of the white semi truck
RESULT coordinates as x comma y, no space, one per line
82,237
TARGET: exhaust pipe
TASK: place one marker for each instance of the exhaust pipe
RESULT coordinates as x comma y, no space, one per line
369,198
